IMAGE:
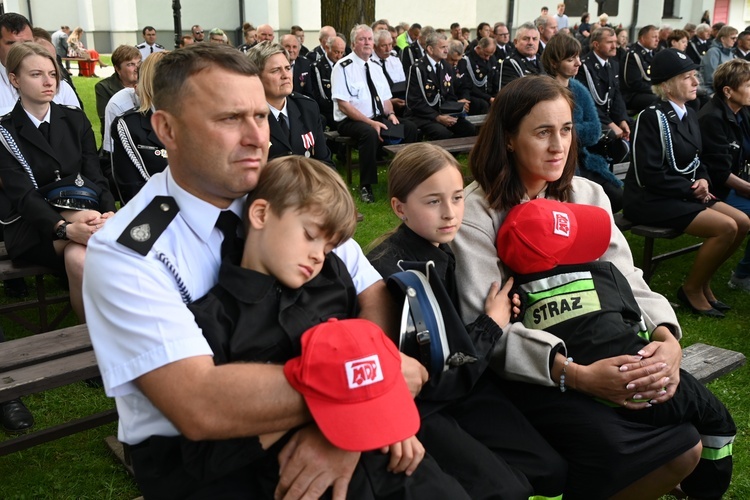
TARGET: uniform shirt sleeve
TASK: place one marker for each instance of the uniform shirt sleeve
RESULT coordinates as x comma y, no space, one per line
66,95
362,273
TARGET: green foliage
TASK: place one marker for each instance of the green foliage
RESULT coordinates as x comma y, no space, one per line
82,467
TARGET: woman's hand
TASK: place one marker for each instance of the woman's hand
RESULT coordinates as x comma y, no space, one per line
663,350
700,190
80,232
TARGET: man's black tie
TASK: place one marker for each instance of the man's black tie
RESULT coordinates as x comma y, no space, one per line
385,72
284,127
44,129
377,106
227,224
152,49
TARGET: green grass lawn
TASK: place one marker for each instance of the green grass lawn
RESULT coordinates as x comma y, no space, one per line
81,467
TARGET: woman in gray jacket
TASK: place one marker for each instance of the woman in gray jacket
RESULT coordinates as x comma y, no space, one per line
526,150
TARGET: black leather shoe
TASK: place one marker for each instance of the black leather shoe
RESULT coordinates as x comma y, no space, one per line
15,417
719,305
711,313
365,193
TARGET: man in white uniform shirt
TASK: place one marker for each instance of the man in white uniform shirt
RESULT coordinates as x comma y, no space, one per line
393,70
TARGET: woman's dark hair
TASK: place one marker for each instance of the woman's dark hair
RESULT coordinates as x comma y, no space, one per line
493,166
585,17
676,36
559,48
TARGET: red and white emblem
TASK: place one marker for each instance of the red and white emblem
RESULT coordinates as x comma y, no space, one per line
364,371
562,224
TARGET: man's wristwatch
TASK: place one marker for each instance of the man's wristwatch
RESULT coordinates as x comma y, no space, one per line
61,232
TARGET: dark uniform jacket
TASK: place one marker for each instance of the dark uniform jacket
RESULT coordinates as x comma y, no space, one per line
654,191
426,90
725,142
316,54
302,76
697,48
461,82
410,55
305,131
635,72
321,89
604,86
517,66
406,245
137,154
104,90
502,52
71,150
483,75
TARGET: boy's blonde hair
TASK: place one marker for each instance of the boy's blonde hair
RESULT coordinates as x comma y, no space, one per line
300,183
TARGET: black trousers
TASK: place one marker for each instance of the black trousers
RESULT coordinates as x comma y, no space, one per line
486,443
368,142
434,131
164,471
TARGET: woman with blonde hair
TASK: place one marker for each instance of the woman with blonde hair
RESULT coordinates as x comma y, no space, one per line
138,153
53,186
90,56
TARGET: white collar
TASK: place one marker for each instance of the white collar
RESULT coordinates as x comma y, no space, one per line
601,61
34,119
282,111
679,111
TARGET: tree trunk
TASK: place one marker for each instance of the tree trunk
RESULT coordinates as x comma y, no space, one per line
343,15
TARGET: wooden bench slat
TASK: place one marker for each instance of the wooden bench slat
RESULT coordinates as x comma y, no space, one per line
706,362
47,375
58,431
44,347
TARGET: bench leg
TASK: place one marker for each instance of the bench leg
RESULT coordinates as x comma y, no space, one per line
648,256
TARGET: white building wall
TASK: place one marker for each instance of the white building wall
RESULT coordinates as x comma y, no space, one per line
111,22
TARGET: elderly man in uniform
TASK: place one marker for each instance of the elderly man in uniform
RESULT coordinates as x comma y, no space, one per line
461,81
699,43
324,34
524,61
300,34
483,71
362,106
301,68
163,251
384,56
321,85
264,33
430,92
636,82
502,40
149,45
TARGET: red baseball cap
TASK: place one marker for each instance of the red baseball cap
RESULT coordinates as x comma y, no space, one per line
350,376
541,234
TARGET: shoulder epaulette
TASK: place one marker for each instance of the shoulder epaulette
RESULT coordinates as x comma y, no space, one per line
6,115
141,234
346,63
141,45
297,95
160,46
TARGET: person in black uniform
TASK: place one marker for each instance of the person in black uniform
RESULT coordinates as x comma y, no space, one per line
636,83
600,74
321,84
482,70
668,186
429,91
524,61
52,143
502,41
138,153
301,67
699,44
295,126
415,50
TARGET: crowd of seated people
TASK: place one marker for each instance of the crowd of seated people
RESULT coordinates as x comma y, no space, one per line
562,82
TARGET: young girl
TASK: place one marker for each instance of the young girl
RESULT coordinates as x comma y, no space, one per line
478,437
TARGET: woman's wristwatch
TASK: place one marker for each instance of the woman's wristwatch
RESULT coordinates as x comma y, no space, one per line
61,232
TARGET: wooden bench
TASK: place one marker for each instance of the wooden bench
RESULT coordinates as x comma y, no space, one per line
650,235
9,270
46,361
463,146
707,363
